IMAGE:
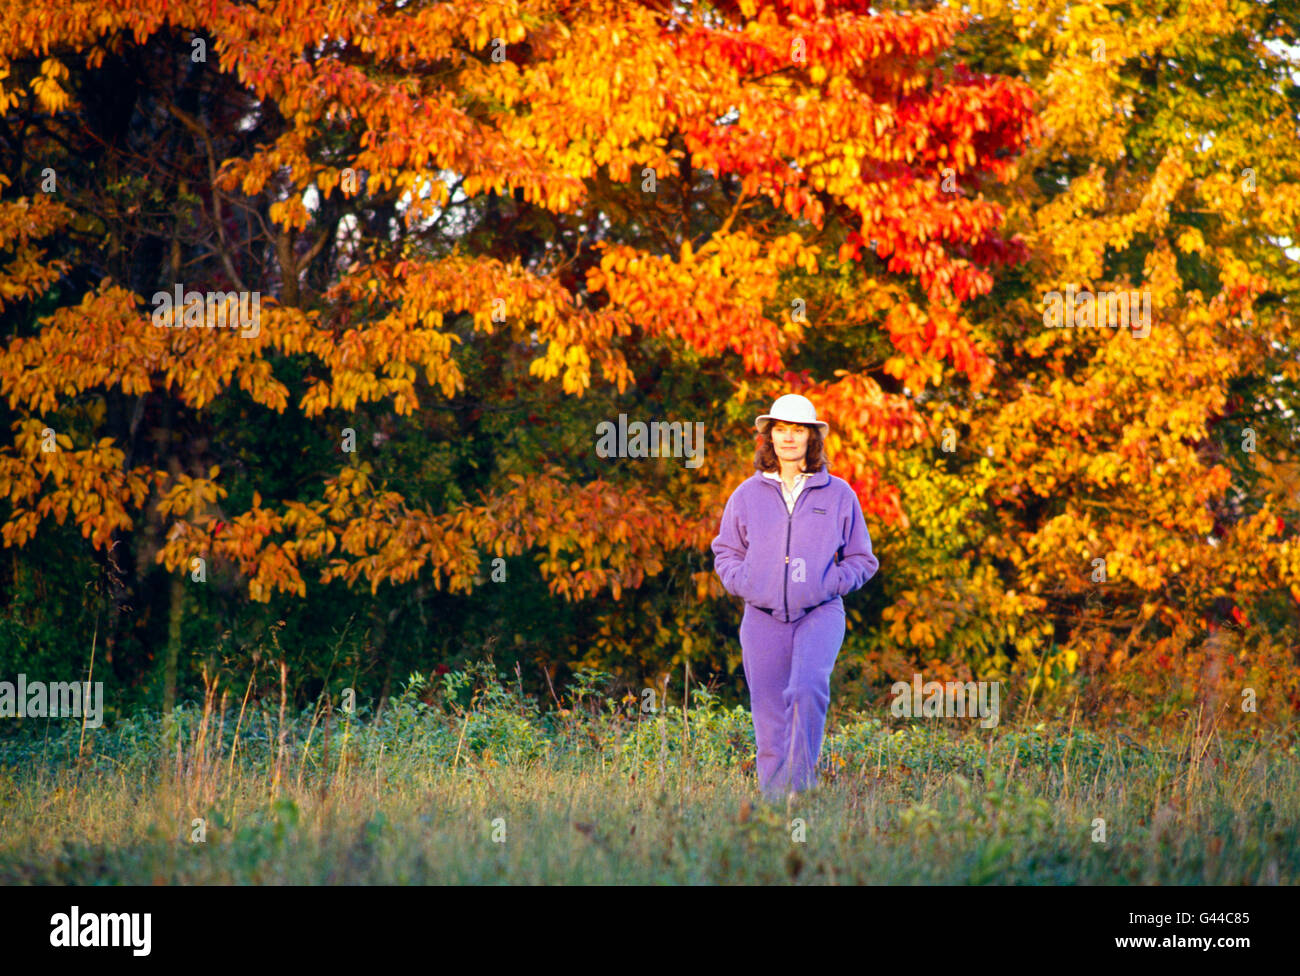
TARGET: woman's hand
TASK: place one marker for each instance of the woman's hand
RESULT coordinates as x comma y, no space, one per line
731,551
833,583
741,582
857,562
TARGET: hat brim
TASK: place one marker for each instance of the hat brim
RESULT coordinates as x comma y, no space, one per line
758,423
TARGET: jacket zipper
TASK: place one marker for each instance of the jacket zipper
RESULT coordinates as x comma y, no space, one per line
789,519
785,578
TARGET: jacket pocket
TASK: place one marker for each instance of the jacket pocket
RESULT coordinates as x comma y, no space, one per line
832,583
757,585
813,591
742,581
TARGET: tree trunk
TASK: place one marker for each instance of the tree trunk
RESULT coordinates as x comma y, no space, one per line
174,616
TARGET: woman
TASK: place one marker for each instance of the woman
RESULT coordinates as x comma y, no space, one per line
792,542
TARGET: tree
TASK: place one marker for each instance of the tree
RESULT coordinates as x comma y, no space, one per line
1168,167
626,199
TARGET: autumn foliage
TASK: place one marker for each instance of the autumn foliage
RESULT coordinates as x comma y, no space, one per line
479,229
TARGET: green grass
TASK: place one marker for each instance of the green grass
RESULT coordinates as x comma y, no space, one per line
593,795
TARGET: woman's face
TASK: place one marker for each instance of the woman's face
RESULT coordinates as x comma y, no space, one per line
790,441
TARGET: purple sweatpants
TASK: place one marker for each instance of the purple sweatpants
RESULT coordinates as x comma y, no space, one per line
788,670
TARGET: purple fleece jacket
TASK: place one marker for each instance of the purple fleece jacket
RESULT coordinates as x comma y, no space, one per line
792,562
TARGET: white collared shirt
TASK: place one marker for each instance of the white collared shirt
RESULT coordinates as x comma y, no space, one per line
789,496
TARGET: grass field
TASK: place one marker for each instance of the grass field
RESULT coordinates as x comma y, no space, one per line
499,791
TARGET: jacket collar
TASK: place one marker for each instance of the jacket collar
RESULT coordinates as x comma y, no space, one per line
816,479
773,476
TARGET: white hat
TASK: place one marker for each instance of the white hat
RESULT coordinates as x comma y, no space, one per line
794,409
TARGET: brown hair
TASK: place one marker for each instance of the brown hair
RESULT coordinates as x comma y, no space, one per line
765,455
